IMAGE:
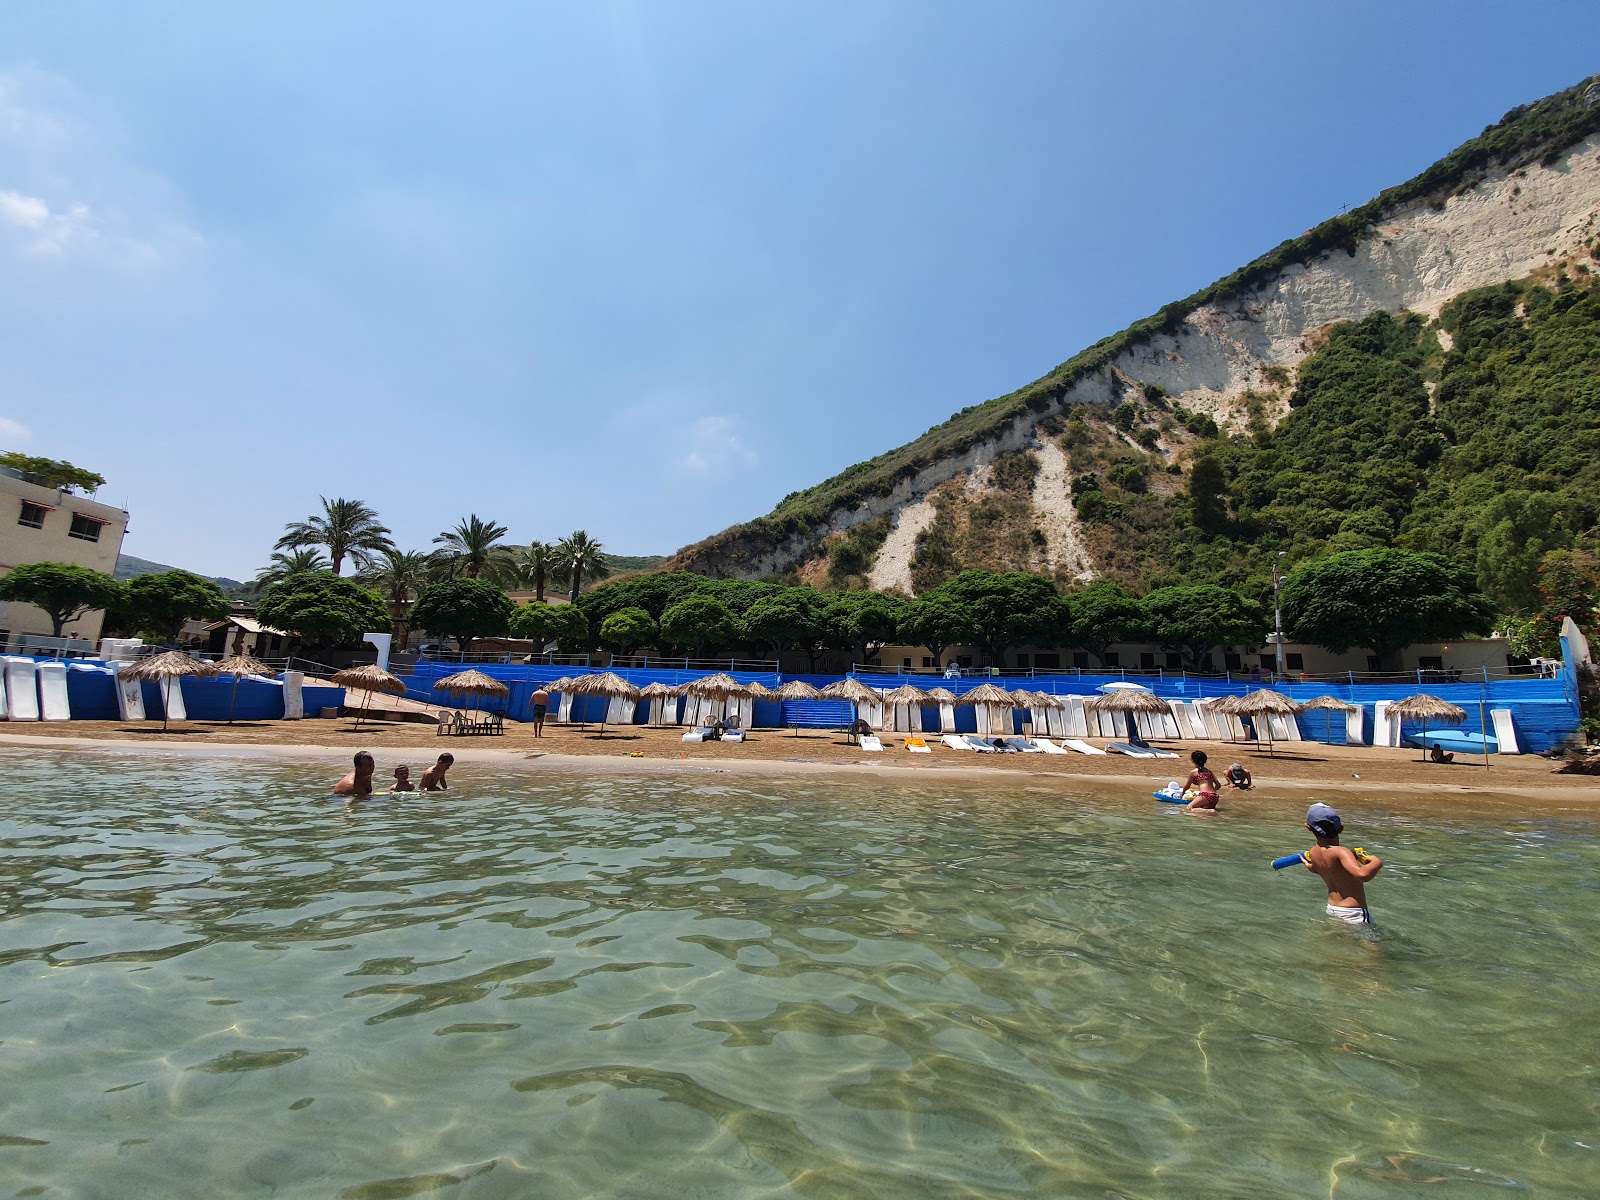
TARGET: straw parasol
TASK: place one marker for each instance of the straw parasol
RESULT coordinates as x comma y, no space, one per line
987,693
855,693
1425,708
719,686
759,691
369,679
795,689
941,695
1130,700
239,666
606,684
906,694
164,669
1331,705
471,683
656,691
1263,702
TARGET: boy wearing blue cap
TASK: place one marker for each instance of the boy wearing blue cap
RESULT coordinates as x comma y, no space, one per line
1345,871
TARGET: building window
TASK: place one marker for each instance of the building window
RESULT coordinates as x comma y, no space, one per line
1294,662
1111,658
1232,662
1147,661
32,515
1022,661
905,662
927,660
1174,661
1080,659
1372,662
1047,662
85,529
1430,662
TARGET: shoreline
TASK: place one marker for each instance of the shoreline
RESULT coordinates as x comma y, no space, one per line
1545,796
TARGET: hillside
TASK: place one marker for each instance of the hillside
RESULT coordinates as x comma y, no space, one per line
1091,470
130,567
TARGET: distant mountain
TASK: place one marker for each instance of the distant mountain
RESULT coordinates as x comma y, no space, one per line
129,567
622,564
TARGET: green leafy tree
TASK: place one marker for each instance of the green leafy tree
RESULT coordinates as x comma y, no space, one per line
324,609
65,591
1384,600
1568,586
564,624
1208,495
1514,531
166,600
463,609
1197,619
285,563
862,622
631,627
474,547
348,528
701,623
936,622
399,577
1008,608
579,557
789,619
1104,613
52,472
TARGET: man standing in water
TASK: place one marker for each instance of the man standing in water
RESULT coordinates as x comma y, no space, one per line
1344,871
359,781
540,703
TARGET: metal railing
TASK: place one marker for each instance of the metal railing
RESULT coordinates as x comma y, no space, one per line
1422,676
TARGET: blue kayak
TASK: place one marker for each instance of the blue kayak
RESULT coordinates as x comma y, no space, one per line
1453,739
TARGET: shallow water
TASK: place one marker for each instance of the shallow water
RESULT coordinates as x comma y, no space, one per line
213,982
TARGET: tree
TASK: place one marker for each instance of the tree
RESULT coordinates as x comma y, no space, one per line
348,528
294,562
564,624
165,601
52,472
1103,613
862,622
701,623
631,627
791,618
64,590
1569,586
324,609
1008,608
1208,495
1514,532
937,622
1384,600
463,609
1197,619
474,545
399,577
530,564
580,557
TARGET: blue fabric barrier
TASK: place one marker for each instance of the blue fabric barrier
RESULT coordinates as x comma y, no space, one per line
91,694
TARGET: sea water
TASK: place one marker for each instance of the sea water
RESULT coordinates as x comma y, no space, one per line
216,982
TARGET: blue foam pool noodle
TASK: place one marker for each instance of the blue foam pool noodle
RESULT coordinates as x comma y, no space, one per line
1289,860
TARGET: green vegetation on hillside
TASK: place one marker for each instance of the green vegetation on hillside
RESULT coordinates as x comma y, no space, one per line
1531,133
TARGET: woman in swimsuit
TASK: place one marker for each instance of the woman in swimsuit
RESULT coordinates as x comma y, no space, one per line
1202,782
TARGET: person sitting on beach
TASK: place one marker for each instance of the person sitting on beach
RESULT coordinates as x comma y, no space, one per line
1345,871
1239,778
1202,782
539,702
433,778
1437,753
359,781
402,780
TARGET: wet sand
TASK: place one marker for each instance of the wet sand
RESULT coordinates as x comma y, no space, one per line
1525,781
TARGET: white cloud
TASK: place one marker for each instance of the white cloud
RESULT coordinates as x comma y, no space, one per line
715,446
15,430
48,232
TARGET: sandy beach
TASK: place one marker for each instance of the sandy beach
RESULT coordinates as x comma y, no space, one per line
1523,780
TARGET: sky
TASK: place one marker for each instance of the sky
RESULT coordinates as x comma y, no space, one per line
643,269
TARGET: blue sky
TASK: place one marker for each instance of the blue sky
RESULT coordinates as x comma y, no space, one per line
643,269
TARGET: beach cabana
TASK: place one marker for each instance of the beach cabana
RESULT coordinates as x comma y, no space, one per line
369,679
795,689
663,703
707,698
1130,700
167,669
903,709
474,685
240,666
856,694
946,700
991,709
1261,706
1331,705
1425,708
620,696
562,712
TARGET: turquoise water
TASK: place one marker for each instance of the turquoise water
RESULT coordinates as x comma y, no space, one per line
215,983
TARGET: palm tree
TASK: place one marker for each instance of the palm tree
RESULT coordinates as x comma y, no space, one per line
307,558
399,578
475,546
530,564
580,557
348,528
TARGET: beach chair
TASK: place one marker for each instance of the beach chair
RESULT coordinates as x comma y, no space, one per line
1130,750
918,745
955,741
1023,746
733,735
871,743
1081,746
699,735
974,742
1048,746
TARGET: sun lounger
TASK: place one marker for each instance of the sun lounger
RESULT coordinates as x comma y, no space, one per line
974,742
1081,746
1023,746
1131,750
955,741
871,743
917,745
699,735
1048,746
733,735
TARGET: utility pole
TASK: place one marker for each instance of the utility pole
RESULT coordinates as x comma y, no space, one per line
1277,610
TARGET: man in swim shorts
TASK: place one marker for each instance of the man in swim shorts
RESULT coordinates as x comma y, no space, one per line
1345,871
540,703
359,781
433,778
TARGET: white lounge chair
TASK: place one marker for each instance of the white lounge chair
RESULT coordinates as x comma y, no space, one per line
918,745
1504,731
871,743
1081,746
955,741
1048,746
974,742
1023,745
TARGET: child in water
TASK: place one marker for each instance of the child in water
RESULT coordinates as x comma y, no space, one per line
402,780
433,778
1203,783
1345,871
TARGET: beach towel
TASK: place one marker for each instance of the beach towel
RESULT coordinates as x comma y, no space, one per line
917,746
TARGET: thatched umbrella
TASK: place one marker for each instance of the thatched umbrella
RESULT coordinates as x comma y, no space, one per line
239,666
991,698
1425,708
855,693
369,679
1129,700
796,689
1331,705
605,684
909,695
941,695
1263,702
471,683
165,669
655,692
718,686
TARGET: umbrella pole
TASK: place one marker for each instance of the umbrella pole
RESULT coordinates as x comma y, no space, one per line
166,705
1483,732
233,697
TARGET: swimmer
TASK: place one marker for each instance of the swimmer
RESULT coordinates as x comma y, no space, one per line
359,781
540,703
1239,778
1203,782
402,780
1345,871
433,778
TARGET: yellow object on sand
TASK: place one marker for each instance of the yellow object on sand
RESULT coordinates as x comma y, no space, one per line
918,745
